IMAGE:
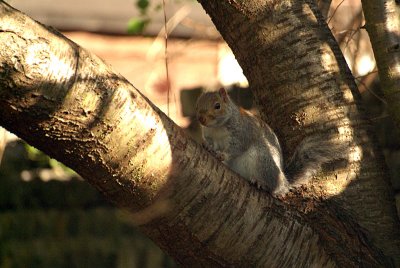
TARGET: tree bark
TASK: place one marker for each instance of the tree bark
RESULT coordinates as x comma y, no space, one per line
383,26
70,104
303,85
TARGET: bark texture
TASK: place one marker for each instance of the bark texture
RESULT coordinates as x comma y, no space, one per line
70,104
303,85
383,26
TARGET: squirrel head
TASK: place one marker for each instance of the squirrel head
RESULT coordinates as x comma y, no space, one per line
213,108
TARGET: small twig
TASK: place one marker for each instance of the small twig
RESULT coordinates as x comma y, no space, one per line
379,117
166,56
370,91
334,12
353,33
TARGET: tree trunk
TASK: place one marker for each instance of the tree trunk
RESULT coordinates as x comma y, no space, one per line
70,104
383,26
303,85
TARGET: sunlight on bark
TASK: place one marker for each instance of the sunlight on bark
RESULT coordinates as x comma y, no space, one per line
392,23
343,179
51,65
307,10
328,59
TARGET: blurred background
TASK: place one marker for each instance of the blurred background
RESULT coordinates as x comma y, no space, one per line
49,217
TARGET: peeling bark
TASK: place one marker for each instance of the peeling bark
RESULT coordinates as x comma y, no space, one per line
70,104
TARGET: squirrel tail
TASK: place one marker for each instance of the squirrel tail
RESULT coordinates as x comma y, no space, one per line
310,155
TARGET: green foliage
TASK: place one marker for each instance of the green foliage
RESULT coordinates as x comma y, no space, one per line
43,160
137,25
37,156
142,5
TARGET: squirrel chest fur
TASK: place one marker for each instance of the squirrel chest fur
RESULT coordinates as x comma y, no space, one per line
219,139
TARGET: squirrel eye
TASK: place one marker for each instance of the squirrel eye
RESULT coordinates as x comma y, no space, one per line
217,106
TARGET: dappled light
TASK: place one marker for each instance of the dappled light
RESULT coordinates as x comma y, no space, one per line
53,67
176,190
328,59
345,177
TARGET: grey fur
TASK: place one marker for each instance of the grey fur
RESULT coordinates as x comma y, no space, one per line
250,147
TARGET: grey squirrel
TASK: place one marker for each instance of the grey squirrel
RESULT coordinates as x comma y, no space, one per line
248,146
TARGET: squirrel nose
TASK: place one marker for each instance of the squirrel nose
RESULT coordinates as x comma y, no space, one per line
202,119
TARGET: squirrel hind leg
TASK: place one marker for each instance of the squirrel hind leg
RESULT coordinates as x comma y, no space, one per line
281,187
273,179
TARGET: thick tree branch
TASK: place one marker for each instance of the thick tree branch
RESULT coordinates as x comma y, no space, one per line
70,104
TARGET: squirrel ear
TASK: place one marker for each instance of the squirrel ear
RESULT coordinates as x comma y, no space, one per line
223,94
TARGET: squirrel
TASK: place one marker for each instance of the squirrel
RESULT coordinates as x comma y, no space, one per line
248,146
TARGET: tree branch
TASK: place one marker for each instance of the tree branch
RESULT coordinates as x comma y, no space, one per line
70,104
383,26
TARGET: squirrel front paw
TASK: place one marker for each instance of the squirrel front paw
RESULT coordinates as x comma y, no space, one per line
207,147
220,156
217,154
